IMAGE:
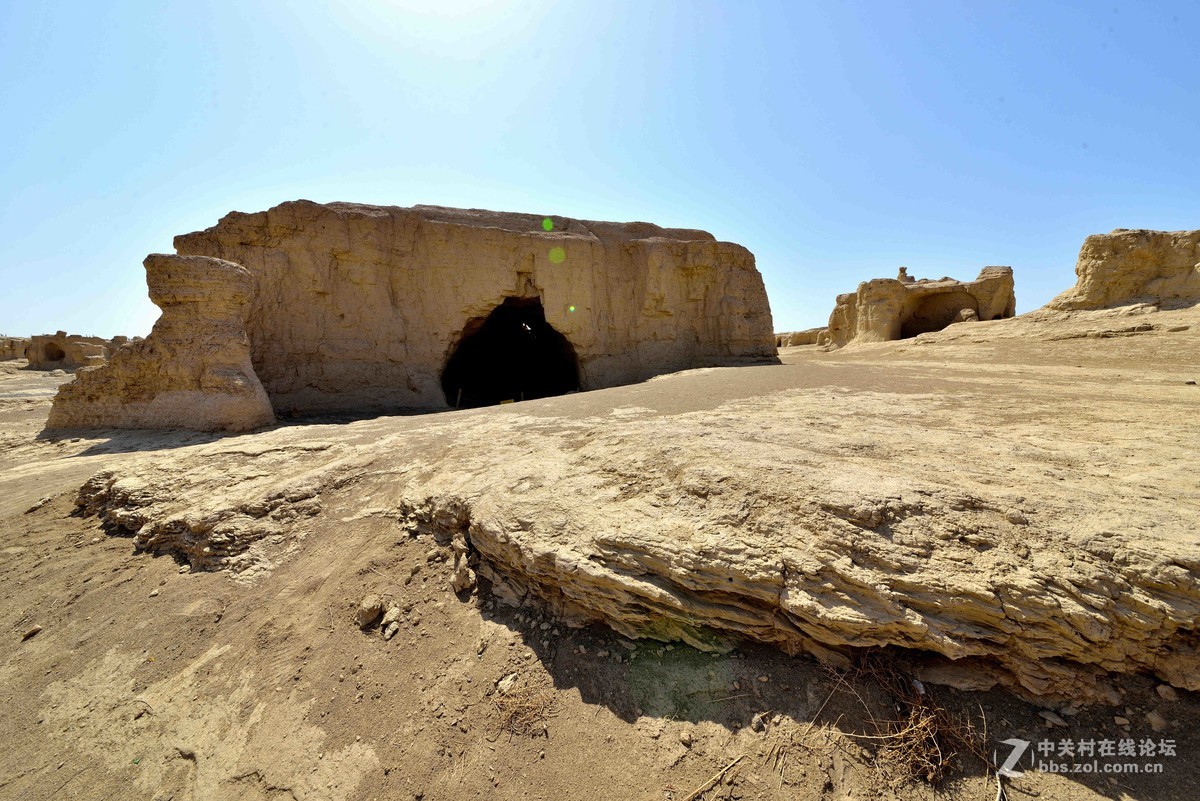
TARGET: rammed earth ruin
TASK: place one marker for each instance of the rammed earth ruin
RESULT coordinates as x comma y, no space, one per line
345,307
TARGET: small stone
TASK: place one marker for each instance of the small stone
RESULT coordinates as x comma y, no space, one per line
463,578
1156,720
31,632
1052,718
505,685
603,654
390,630
153,593
1015,517
764,679
369,610
685,738
185,568
1120,721
1189,383
758,722
544,627
1167,692
391,616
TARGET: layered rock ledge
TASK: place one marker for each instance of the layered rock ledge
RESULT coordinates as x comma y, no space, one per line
965,503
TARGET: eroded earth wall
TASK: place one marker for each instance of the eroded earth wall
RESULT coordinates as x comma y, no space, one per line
359,307
192,372
1135,266
63,351
884,309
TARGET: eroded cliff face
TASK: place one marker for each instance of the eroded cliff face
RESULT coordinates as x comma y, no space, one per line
884,309
359,307
1135,266
192,372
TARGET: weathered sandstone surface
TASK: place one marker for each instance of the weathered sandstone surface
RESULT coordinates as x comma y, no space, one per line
885,309
358,307
193,371
952,498
1135,266
13,347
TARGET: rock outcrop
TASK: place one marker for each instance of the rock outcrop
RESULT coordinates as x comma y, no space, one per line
367,307
13,347
63,351
192,372
1135,266
884,309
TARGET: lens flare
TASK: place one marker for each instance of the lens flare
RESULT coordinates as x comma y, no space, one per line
571,308
547,224
557,255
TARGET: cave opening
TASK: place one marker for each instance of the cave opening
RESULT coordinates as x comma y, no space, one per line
935,312
512,354
53,352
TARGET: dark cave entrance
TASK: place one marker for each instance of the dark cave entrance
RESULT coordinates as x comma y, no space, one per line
935,312
53,352
512,354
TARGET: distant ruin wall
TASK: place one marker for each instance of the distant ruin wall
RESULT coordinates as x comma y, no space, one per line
13,347
192,372
791,339
1135,266
359,307
63,351
885,309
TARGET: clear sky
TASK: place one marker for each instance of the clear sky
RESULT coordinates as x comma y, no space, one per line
836,140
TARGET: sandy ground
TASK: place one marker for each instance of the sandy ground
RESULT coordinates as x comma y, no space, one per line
148,680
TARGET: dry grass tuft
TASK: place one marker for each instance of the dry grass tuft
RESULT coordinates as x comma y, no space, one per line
524,711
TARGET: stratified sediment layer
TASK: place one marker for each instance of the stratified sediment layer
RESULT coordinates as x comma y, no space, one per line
952,496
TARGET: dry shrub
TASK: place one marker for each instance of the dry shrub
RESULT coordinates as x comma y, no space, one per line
924,739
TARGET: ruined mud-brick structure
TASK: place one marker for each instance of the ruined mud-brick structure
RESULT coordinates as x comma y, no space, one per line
13,348
1135,266
884,309
63,351
790,339
311,308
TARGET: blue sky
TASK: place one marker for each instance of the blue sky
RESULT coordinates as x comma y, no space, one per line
836,140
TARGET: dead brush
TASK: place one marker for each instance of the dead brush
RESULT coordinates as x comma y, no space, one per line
922,742
524,711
